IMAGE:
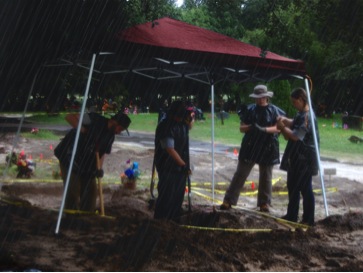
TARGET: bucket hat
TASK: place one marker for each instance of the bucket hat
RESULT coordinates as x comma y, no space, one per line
260,91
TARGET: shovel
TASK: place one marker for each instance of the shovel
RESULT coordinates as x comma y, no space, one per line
100,185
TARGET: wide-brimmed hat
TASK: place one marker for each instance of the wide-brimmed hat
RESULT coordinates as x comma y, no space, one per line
260,91
122,119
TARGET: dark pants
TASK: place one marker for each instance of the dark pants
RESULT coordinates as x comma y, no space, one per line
300,181
171,190
82,191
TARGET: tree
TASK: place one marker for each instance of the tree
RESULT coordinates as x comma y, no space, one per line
142,11
35,32
327,35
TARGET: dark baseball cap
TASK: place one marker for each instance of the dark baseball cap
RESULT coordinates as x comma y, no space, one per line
122,119
177,109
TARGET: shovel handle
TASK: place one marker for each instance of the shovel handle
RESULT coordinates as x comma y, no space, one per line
100,192
152,182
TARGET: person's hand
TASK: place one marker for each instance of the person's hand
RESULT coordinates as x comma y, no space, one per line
185,170
280,123
99,173
257,127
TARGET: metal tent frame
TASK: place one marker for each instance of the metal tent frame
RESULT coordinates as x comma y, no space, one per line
160,50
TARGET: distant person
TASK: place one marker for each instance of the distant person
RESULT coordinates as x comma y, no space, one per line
198,112
172,160
259,146
163,110
299,159
96,137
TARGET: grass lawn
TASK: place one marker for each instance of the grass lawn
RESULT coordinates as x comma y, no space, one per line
334,141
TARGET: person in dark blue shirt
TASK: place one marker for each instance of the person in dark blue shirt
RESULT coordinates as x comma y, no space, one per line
172,160
299,159
259,146
96,138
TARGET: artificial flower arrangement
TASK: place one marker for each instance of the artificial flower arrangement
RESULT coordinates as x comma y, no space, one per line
130,175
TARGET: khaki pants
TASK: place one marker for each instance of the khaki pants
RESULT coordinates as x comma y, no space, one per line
239,178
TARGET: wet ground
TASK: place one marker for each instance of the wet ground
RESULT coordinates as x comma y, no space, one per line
206,239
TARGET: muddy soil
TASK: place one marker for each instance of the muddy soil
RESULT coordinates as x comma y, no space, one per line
206,239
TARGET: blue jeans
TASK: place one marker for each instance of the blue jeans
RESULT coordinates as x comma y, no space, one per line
300,181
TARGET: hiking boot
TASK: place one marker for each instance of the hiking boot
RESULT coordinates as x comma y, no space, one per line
264,208
286,217
306,223
225,206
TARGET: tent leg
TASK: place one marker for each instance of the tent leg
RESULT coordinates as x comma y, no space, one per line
212,138
16,138
76,143
317,146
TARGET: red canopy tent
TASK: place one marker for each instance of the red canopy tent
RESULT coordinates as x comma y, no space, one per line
167,49
177,42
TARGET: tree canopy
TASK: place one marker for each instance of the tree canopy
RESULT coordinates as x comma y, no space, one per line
327,35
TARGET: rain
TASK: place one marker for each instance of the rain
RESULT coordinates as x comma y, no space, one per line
107,62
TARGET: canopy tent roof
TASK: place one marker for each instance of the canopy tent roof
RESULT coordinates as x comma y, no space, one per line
168,48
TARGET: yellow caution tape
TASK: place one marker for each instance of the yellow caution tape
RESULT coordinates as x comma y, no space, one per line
274,181
33,180
208,190
250,193
67,211
82,212
222,192
289,224
229,229
13,202
207,197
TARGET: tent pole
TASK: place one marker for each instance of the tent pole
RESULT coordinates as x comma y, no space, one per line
212,137
75,143
16,138
316,146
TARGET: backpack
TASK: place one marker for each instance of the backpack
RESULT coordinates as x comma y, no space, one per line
64,149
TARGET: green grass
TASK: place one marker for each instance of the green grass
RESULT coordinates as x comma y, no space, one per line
334,142
42,134
40,117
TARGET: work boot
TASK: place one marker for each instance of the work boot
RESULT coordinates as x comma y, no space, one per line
225,206
264,208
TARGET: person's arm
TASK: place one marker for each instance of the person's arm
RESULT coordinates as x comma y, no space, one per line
72,119
243,128
284,121
102,159
174,154
272,129
284,125
168,145
268,130
288,133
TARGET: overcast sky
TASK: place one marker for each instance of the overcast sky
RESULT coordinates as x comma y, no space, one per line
179,3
